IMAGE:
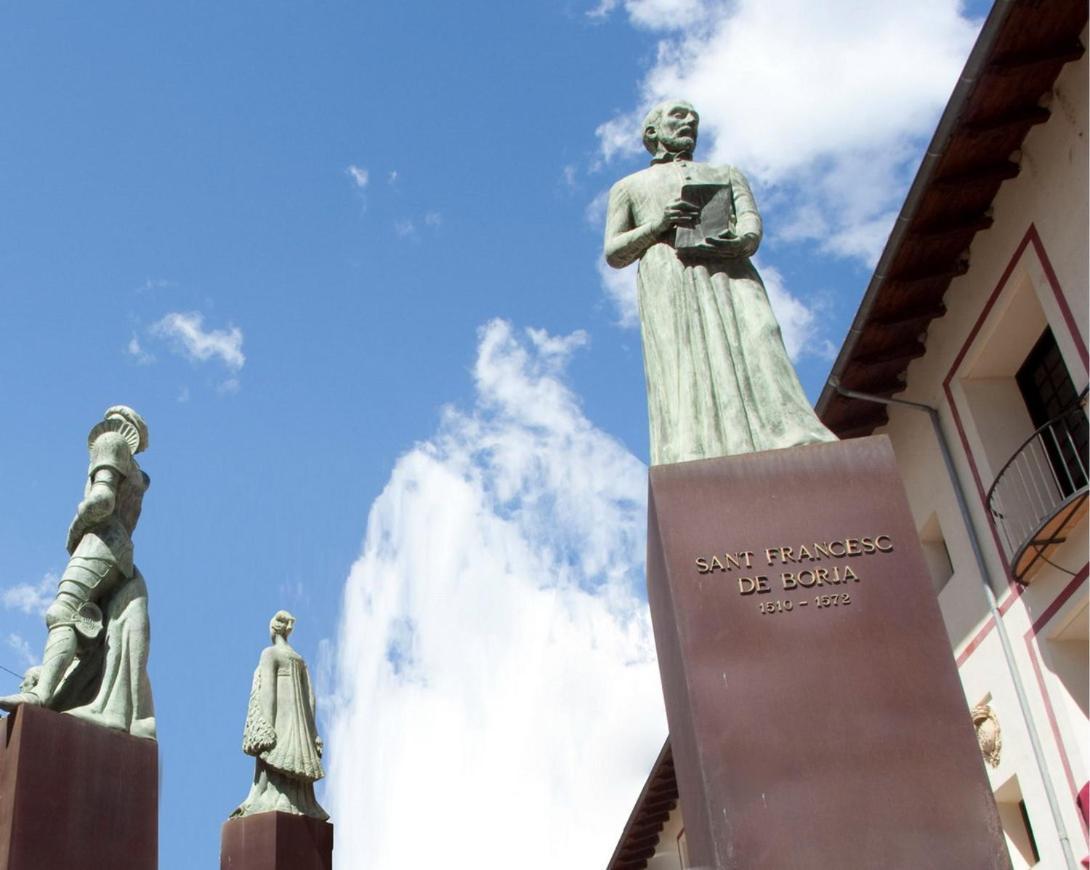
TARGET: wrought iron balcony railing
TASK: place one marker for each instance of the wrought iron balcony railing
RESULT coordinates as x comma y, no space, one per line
1042,491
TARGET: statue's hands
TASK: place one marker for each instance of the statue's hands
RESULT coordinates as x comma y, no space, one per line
319,744
729,245
679,213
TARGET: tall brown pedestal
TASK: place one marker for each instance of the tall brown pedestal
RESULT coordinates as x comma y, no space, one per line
276,841
74,794
816,715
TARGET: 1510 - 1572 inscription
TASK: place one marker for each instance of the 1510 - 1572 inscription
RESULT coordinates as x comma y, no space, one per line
798,577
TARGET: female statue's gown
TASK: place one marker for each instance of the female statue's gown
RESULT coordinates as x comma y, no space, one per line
288,762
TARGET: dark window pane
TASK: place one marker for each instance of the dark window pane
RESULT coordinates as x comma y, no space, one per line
1049,393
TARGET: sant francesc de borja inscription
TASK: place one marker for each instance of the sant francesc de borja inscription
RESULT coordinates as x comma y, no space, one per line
801,576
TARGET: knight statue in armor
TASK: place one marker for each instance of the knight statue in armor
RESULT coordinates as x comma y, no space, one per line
719,381
95,660
280,731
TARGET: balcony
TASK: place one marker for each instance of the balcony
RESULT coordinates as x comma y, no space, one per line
1040,494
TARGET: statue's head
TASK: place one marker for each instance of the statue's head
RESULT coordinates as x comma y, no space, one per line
670,128
126,422
281,624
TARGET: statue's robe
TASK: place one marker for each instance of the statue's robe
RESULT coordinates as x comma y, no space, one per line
719,381
285,746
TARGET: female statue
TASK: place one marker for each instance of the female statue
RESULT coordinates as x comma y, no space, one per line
280,731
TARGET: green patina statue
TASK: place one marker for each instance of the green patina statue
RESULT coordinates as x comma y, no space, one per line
280,731
96,653
719,381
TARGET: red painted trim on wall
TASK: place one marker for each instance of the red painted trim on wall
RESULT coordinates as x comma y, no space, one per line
975,643
1060,600
1032,649
1014,587
1068,775
972,646
971,337
1031,237
1061,301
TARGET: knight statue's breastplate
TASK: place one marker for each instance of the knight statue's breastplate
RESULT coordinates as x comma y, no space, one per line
110,539
130,497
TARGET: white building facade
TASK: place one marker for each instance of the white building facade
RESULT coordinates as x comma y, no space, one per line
1005,370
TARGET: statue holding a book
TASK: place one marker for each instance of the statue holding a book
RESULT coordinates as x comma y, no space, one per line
719,381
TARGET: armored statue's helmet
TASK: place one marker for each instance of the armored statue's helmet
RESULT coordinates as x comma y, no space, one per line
127,423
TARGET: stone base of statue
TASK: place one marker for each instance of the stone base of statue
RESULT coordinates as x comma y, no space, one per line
276,841
75,794
816,715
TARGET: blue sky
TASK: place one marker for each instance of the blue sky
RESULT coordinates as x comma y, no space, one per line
345,259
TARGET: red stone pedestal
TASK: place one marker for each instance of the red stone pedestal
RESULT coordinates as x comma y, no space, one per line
75,795
276,841
816,715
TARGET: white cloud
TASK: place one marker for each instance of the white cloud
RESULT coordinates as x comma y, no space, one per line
358,174
21,648
137,352
603,9
295,594
620,289
595,212
391,177
826,105
496,660
228,386
187,332
30,598
153,284
668,14
798,322
408,228
620,135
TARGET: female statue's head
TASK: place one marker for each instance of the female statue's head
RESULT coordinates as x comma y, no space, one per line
281,624
670,128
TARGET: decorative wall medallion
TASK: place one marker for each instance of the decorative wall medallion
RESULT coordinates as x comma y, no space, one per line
988,734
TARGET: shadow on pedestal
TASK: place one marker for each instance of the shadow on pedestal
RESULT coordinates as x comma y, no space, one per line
276,841
74,794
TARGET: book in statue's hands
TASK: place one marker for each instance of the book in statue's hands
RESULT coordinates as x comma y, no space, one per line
716,216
